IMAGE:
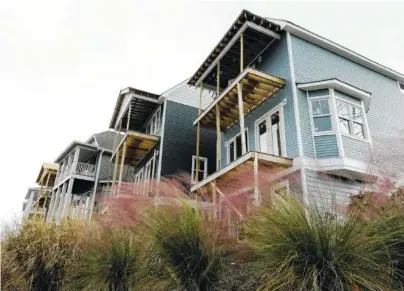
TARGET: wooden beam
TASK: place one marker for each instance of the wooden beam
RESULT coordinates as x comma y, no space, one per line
241,52
269,80
218,132
241,116
122,165
257,197
230,203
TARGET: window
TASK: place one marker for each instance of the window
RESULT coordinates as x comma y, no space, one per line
154,123
350,119
320,109
202,171
234,148
401,87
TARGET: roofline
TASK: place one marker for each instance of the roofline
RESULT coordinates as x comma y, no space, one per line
337,84
338,49
71,146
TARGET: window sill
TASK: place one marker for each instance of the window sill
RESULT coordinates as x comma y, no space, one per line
356,138
324,133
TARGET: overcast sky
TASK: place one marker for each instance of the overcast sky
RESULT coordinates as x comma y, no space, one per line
62,63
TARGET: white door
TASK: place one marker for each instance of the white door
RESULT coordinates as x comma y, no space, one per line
269,133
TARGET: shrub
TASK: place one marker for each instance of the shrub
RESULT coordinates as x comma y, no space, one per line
305,249
34,255
193,248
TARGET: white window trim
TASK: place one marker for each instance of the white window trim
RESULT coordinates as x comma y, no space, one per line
364,122
399,88
193,167
279,108
152,126
330,105
233,139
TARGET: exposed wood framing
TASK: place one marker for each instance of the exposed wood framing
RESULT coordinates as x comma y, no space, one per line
241,118
241,52
256,88
125,143
229,203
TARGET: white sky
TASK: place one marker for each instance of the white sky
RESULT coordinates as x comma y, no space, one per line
62,63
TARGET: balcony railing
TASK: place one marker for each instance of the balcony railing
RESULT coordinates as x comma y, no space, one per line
85,169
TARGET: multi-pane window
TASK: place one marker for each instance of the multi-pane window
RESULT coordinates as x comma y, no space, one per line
234,147
350,119
202,169
321,115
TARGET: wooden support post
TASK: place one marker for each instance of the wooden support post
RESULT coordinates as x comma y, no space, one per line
213,184
198,136
241,117
241,52
230,204
257,196
115,172
218,142
122,165
68,198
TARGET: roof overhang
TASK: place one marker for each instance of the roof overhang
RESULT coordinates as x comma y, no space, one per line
340,86
336,48
138,145
257,87
258,33
71,146
142,105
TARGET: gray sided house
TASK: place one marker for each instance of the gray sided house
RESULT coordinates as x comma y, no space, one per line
83,174
298,104
157,138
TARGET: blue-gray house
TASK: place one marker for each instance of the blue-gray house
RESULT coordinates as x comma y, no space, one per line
297,103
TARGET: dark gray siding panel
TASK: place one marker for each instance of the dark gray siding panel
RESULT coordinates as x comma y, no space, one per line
326,146
180,140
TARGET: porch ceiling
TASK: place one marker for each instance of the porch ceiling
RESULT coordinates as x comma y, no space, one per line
258,33
47,169
244,164
257,87
138,145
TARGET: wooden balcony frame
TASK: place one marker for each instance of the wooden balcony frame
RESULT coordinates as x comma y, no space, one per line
132,149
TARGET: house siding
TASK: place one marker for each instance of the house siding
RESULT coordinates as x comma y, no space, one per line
179,143
385,117
356,149
326,146
328,192
275,61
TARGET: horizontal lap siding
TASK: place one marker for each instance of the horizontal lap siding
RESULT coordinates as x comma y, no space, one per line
305,124
179,142
356,149
326,146
385,117
275,61
327,192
